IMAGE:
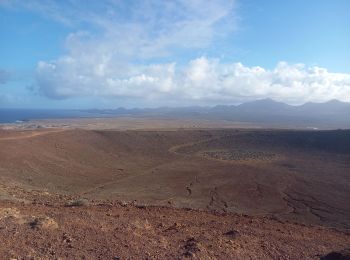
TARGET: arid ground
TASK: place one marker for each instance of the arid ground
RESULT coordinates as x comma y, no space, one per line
157,192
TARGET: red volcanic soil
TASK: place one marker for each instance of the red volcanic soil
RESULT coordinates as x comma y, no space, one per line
46,229
293,188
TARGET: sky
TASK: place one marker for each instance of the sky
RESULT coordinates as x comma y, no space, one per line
136,53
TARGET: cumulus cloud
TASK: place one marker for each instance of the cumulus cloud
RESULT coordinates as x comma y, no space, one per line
202,79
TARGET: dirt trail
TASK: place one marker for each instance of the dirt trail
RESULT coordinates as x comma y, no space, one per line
174,149
31,134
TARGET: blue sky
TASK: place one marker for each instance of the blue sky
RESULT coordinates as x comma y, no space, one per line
106,54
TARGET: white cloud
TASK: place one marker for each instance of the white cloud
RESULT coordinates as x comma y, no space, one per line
203,80
138,28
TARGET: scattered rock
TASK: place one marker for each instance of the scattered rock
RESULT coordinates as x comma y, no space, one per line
175,228
9,212
232,234
140,206
123,204
66,238
43,223
341,255
191,247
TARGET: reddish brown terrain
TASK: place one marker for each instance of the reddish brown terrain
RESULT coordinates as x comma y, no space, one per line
202,193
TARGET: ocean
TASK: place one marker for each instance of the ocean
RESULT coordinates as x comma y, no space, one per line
20,115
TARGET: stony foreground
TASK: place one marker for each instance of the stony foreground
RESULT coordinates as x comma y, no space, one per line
110,230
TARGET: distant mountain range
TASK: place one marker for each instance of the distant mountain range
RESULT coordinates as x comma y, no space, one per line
265,112
331,114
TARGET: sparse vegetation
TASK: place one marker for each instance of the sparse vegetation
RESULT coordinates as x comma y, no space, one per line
239,155
77,203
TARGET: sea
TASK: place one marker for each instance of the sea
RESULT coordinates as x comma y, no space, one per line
23,115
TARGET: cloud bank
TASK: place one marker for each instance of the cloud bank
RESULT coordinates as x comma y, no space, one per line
201,80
